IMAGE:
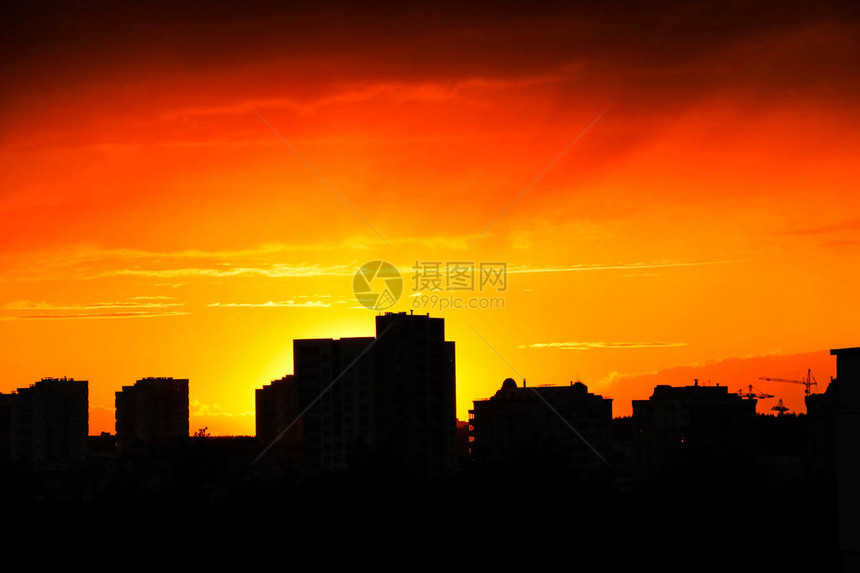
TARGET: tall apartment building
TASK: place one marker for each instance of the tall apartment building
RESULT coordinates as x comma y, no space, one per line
50,421
277,412
6,429
152,411
415,392
337,424
387,401
840,408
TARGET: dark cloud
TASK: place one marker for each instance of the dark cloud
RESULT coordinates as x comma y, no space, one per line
631,52
399,40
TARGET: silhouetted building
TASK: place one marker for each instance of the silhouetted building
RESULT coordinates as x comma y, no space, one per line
50,421
277,410
549,427
415,392
384,402
691,424
6,429
463,455
821,431
102,445
337,424
781,447
153,411
843,402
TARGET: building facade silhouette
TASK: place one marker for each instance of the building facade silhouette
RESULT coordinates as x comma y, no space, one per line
333,387
276,410
688,423
517,429
6,429
383,402
841,405
49,421
152,411
415,392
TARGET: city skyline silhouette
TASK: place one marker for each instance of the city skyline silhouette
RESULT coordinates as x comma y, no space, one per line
155,410
376,417
769,404
635,224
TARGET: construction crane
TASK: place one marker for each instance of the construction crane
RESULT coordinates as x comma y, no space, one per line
780,409
808,383
753,392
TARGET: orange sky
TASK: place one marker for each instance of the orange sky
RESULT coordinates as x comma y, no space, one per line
705,226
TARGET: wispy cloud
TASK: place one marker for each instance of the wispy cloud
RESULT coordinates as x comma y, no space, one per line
618,266
267,261
282,270
86,262
159,297
200,410
134,303
83,316
846,225
275,270
395,93
138,307
634,266
594,345
273,304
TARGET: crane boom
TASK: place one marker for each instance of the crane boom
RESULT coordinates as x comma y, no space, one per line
753,392
808,383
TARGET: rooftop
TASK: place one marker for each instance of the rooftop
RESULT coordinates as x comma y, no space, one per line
855,351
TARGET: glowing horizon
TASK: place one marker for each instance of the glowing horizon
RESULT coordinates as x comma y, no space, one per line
186,191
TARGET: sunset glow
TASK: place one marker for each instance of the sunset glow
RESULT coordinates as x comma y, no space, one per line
186,199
